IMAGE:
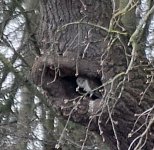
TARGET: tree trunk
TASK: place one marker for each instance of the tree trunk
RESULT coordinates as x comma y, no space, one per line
74,40
24,119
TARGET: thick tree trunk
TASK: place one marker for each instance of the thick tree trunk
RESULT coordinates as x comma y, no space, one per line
74,41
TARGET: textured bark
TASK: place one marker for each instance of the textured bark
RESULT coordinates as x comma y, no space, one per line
64,48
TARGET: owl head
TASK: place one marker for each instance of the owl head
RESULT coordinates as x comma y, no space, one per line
80,82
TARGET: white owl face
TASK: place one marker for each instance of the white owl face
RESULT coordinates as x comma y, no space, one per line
81,82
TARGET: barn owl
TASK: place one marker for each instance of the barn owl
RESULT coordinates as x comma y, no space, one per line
88,85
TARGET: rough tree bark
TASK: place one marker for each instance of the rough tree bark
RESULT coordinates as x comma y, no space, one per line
74,41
